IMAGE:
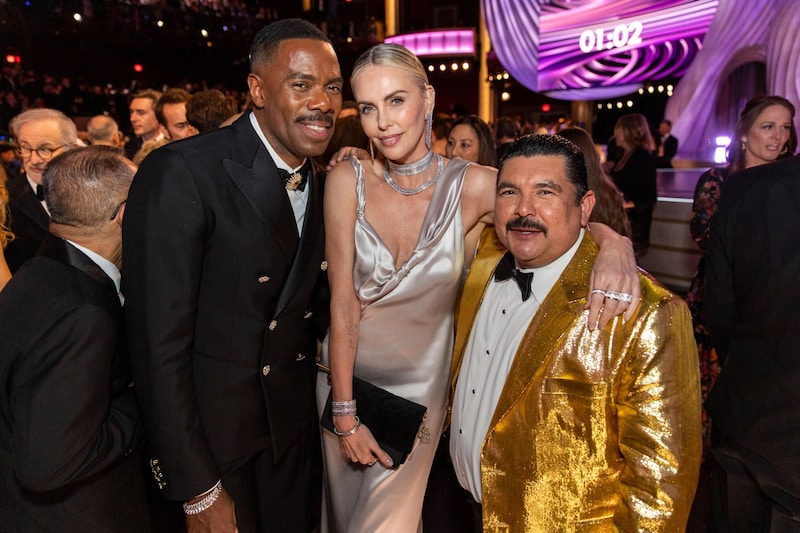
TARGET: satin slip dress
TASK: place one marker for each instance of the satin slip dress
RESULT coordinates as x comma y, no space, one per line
405,343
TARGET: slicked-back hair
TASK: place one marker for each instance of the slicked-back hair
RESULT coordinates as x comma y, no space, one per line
392,55
66,127
267,41
544,145
84,186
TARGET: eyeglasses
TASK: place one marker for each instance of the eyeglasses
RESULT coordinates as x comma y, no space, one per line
44,152
116,211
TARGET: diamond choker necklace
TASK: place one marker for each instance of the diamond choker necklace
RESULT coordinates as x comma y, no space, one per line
411,169
410,192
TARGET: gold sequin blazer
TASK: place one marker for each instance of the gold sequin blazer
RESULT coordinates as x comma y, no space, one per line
594,430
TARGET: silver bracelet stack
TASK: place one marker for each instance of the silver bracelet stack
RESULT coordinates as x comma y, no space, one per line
205,502
348,432
343,408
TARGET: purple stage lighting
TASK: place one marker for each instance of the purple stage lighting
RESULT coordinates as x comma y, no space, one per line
596,48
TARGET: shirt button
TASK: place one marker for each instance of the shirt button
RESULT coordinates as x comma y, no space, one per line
265,370
487,351
460,432
273,325
504,311
263,279
473,391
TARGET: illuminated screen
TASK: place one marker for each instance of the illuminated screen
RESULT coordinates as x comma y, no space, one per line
437,43
573,46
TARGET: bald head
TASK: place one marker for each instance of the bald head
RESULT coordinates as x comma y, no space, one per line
103,130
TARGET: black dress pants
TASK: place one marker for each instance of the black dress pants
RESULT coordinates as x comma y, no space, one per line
274,497
754,495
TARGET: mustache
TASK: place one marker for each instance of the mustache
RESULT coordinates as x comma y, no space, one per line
525,223
327,119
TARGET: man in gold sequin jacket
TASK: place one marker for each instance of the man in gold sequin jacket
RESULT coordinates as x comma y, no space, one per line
558,427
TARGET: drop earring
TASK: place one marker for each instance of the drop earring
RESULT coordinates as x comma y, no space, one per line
428,129
371,151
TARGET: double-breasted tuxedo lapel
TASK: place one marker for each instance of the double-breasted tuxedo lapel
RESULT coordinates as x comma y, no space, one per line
220,291
255,174
304,267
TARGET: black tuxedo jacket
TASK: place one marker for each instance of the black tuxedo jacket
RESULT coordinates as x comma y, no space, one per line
751,305
29,223
68,417
221,300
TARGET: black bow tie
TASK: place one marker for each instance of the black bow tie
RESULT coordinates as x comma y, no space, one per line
506,269
296,181
40,193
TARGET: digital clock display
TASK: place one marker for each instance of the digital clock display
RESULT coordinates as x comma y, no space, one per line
620,36
573,45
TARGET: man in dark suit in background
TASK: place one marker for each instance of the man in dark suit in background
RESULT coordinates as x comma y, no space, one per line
69,421
41,135
223,259
752,295
666,145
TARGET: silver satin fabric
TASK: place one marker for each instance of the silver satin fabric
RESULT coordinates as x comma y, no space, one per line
405,343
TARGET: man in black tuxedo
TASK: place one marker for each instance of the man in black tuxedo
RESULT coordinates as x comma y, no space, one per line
666,145
69,421
751,299
223,270
41,135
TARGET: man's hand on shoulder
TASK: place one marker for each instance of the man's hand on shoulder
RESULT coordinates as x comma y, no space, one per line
219,518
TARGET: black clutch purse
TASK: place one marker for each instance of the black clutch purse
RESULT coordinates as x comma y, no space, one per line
395,422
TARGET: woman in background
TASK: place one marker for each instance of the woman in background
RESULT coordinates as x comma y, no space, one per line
471,139
764,132
609,208
635,175
5,235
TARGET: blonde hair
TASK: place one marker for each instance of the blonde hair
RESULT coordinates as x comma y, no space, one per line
392,55
5,235
147,147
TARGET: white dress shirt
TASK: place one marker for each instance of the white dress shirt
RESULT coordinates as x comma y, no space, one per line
298,198
33,185
107,266
499,327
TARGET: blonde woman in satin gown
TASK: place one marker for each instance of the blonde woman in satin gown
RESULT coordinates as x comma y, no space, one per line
397,234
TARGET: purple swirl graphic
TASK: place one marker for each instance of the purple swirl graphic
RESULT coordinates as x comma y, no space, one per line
551,45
